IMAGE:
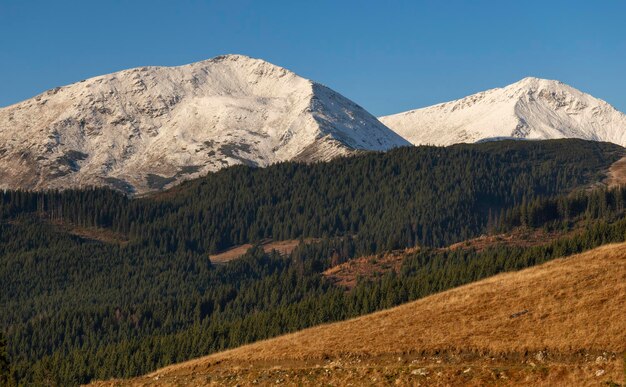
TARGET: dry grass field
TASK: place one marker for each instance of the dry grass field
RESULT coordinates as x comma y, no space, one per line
283,247
347,274
561,323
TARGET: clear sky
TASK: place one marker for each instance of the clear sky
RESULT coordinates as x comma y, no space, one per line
388,56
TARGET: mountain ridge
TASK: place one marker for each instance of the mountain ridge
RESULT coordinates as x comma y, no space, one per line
532,108
146,128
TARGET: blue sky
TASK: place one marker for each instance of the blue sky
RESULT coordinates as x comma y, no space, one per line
388,56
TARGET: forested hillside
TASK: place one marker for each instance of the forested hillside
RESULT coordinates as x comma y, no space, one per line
76,305
554,324
425,195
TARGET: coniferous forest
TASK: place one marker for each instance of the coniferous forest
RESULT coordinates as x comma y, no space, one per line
138,290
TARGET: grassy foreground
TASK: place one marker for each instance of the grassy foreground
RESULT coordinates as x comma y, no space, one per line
560,323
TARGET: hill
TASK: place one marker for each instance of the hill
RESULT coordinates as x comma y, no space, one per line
532,108
95,285
558,323
147,128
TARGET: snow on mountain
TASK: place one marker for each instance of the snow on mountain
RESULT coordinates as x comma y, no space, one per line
147,128
529,109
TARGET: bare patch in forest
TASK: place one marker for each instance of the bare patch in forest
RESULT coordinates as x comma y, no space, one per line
519,237
100,234
284,247
617,173
369,267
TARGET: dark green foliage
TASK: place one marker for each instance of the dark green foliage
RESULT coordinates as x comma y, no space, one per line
426,195
291,298
4,361
76,309
561,211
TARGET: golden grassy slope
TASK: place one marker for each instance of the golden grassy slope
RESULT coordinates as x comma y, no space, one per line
561,323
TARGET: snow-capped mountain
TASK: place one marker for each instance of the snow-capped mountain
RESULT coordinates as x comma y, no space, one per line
148,128
529,109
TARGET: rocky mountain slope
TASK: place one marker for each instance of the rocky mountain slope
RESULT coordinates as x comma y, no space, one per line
529,109
147,128
554,324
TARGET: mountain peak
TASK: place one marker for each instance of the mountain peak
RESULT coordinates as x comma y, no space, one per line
531,81
240,59
532,108
148,128
234,57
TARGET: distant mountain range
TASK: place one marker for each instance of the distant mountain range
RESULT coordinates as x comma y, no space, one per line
532,108
149,128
